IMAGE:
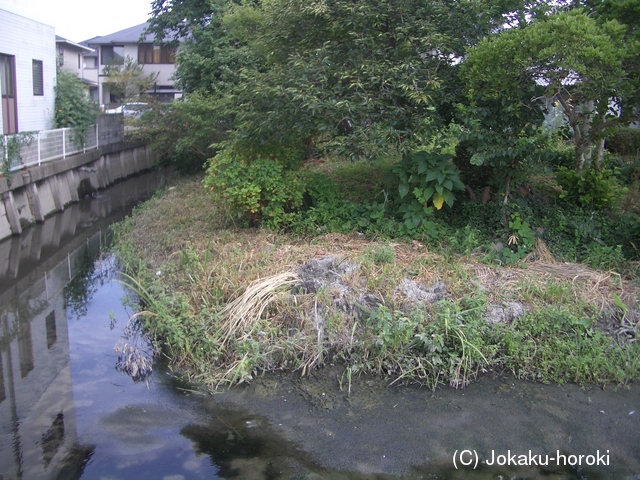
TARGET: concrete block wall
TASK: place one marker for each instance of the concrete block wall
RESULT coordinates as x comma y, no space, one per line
37,192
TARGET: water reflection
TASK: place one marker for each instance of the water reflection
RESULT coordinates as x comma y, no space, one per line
37,414
46,244
38,434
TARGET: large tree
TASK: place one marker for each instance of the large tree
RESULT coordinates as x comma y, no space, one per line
575,61
362,77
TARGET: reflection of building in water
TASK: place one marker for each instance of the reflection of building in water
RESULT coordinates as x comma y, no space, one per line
37,413
50,240
38,436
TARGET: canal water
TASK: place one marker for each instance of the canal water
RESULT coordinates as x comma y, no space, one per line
69,410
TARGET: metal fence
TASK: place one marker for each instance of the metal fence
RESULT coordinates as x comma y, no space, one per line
35,148
27,149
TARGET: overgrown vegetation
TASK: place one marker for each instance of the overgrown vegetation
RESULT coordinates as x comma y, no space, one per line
74,108
228,303
425,150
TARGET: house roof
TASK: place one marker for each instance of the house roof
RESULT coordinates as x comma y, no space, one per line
128,35
60,39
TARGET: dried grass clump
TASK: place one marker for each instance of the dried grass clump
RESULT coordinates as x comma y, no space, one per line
589,285
247,309
540,253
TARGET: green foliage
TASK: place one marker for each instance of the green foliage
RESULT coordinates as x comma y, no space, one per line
11,151
212,62
451,345
591,188
626,12
127,81
171,21
570,58
572,233
605,257
381,254
264,189
357,80
555,345
502,140
524,237
520,240
624,140
181,133
325,208
73,107
424,177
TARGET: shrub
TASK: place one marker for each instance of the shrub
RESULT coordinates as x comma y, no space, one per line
182,133
262,189
591,188
73,107
425,178
624,140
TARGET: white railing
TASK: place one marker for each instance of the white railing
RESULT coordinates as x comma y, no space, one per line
47,145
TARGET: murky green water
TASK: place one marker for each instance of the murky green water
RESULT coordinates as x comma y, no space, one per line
67,412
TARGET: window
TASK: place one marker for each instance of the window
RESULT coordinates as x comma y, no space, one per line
7,72
60,56
38,78
8,90
149,53
112,55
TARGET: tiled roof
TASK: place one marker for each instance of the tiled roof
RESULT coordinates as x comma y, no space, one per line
128,35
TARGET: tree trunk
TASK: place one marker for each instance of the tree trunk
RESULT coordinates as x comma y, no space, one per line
507,188
485,194
471,194
599,154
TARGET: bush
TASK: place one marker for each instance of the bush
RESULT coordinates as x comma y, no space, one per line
425,178
624,140
262,190
591,188
182,133
73,107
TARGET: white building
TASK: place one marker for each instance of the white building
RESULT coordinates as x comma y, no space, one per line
80,60
27,73
134,43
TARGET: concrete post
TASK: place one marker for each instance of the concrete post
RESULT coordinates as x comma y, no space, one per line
34,202
73,185
55,193
12,214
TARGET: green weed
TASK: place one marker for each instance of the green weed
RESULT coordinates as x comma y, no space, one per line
381,254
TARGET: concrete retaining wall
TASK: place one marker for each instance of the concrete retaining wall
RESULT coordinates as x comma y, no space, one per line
32,194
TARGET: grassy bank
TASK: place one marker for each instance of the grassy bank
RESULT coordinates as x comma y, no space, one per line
227,302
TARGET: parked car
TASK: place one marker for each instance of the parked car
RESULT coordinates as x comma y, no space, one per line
130,110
